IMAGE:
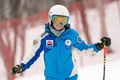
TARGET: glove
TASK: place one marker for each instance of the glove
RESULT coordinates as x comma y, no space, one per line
104,41
17,69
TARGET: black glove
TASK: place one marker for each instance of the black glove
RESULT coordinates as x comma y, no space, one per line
17,69
104,41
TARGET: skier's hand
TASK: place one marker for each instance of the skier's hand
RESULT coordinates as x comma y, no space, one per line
104,41
17,69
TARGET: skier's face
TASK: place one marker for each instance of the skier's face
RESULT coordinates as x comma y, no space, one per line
58,27
59,22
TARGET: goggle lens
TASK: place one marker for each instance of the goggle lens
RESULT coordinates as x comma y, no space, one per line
60,20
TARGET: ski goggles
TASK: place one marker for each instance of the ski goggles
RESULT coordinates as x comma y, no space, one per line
60,19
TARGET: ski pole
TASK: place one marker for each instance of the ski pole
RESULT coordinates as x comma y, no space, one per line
12,77
104,64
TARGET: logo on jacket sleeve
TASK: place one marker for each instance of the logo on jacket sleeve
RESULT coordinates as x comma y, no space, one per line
49,44
78,39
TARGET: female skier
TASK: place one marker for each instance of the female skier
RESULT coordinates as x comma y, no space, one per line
57,42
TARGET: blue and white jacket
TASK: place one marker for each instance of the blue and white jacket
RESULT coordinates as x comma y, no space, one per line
58,58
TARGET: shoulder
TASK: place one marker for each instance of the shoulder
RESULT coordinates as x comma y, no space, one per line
44,34
70,29
75,35
74,32
37,39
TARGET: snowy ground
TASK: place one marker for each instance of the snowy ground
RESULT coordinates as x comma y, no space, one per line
94,72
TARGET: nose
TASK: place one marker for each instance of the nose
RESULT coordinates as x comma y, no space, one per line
61,23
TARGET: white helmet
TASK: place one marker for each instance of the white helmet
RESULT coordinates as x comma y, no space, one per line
58,10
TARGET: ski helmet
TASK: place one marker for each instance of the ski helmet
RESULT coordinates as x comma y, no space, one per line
58,10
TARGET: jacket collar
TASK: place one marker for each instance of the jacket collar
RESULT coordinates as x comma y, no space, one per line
67,29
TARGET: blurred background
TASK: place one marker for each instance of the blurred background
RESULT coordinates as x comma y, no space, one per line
22,20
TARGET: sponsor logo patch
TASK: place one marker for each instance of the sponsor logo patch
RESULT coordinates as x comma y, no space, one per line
49,44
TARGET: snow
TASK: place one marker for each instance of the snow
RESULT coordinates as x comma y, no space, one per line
94,72
89,67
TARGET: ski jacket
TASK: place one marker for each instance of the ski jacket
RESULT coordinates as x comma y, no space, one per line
58,56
